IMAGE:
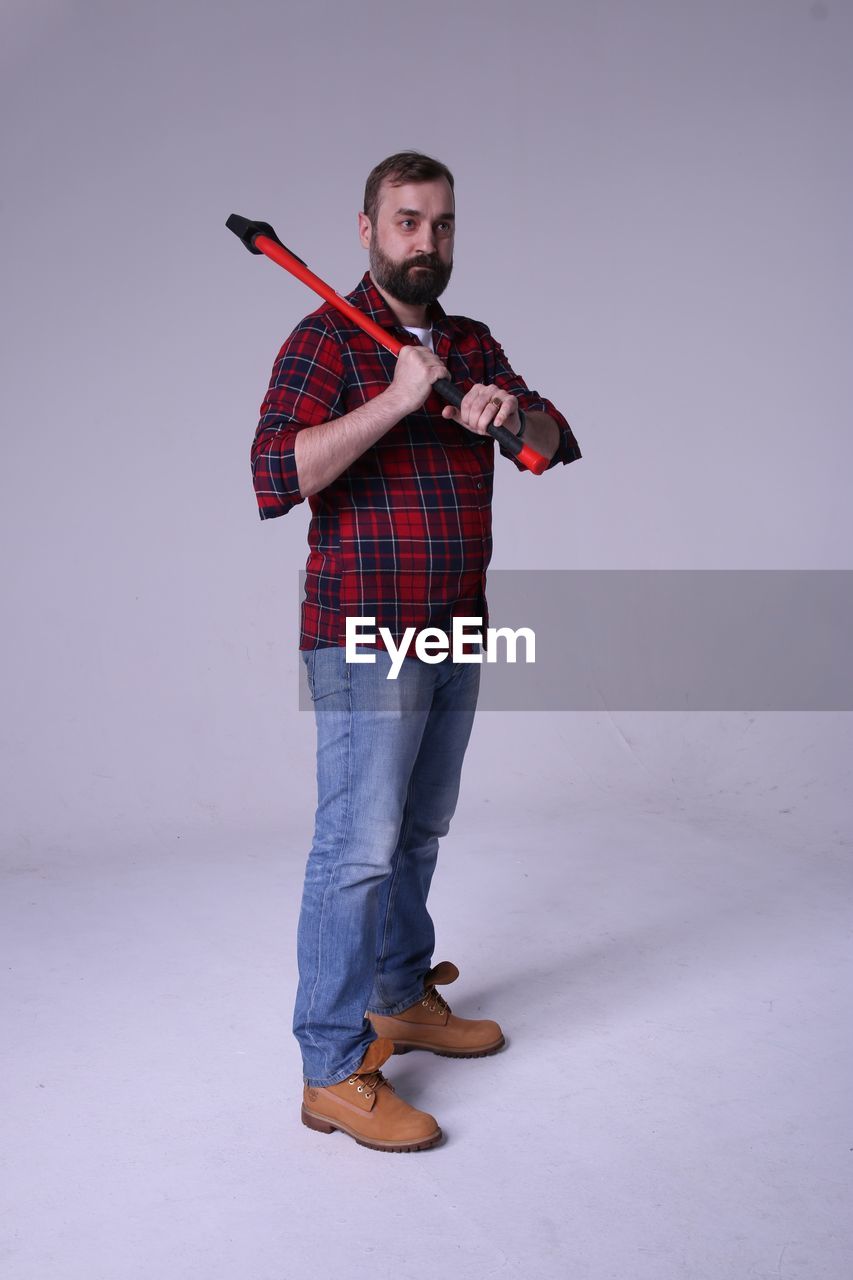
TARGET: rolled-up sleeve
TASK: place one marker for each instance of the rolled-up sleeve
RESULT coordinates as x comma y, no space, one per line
305,389
501,373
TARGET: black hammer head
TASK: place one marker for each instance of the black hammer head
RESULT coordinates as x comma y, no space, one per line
246,230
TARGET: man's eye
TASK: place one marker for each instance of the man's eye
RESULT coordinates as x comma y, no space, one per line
407,222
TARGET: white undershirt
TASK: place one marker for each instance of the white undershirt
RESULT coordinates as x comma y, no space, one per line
425,335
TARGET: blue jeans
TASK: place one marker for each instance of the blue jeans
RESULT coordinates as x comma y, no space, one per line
389,759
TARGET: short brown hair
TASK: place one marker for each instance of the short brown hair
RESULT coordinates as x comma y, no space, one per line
404,166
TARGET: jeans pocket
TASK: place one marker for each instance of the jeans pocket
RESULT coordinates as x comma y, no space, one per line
327,672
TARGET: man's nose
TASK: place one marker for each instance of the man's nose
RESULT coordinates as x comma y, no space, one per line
426,240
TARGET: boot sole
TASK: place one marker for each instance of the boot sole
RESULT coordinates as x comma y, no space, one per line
322,1124
405,1046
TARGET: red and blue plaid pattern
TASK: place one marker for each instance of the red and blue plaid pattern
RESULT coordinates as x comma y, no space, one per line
404,533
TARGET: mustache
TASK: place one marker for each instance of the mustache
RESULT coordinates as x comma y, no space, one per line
426,260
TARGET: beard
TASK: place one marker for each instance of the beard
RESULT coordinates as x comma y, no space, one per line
404,282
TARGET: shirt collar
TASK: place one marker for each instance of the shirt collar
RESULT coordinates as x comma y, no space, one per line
367,298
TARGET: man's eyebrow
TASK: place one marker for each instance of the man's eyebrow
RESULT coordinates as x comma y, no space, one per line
442,217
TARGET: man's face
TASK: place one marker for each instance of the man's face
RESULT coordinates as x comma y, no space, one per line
411,244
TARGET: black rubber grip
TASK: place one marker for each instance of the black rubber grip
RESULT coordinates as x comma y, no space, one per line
451,393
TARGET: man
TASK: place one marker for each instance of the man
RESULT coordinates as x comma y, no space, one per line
400,489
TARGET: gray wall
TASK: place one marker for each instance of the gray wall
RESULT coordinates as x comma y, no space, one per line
654,202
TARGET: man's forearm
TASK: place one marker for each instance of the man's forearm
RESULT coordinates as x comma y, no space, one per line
541,433
323,452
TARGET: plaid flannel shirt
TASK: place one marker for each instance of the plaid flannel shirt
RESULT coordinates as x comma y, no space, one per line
403,535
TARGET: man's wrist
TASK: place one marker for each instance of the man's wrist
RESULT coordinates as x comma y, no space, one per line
391,405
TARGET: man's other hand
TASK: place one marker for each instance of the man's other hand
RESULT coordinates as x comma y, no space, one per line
482,406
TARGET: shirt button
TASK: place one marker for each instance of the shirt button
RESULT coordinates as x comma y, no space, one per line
479,484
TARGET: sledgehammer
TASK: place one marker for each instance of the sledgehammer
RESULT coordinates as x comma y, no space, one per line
259,237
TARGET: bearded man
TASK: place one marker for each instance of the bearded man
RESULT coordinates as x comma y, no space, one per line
400,489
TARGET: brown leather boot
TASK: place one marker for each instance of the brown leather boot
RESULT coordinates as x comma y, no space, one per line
366,1107
430,1024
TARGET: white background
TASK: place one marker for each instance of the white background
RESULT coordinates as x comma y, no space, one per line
654,203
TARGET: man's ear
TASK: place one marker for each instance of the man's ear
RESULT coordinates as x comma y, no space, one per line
364,229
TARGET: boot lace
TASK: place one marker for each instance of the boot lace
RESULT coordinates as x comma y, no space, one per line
369,1082
434,1001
